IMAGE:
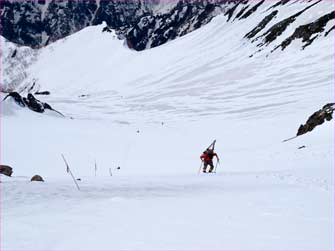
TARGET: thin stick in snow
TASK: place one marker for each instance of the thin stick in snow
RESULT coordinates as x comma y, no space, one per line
68,170
289,139
200,167
217,162
95,168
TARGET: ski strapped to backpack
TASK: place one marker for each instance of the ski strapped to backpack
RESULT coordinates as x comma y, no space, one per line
210,147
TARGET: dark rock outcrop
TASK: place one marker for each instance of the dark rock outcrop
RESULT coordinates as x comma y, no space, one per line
317,118
332,28
152,31
281,2
6,170
37,178
252,10
261,25
17,98
31,102
38,23
42,93
240,13
278,29
231,11
305,32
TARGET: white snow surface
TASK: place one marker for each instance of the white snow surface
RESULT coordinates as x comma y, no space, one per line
152,113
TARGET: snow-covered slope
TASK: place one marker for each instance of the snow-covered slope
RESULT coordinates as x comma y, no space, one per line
153,113
206,72
14,63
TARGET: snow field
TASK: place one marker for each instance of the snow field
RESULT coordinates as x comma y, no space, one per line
266,195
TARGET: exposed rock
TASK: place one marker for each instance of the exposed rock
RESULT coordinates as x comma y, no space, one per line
6,170
240,13
42,93
13,54
252,10
306,31
332,28
106,29
152,31
317,118
37,178
281,2
277,29
31,102
17,98
261,25
231,11
38,23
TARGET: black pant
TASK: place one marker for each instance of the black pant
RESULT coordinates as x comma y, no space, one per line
208,163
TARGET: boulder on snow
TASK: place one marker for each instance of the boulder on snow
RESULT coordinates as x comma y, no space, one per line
31,102
6,170
37,178
17,98
42,93
106,29
317,118
34,104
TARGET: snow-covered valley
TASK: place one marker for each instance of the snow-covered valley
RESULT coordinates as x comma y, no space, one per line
152,113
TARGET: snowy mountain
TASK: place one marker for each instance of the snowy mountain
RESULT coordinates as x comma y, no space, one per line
37,23
248,78
146,24
15,61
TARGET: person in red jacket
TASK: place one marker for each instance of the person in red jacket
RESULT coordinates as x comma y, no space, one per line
207,158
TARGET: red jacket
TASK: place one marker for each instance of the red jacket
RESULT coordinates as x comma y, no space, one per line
208,157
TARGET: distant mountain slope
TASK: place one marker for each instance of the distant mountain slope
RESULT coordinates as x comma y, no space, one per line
272,26
37,23
234,66
145,24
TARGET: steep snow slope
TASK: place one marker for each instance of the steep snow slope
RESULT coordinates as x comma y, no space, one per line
14,63
266,195
205,72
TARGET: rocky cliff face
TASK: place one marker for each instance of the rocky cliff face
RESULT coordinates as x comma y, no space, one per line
149,23
154,30
144,24
38,23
